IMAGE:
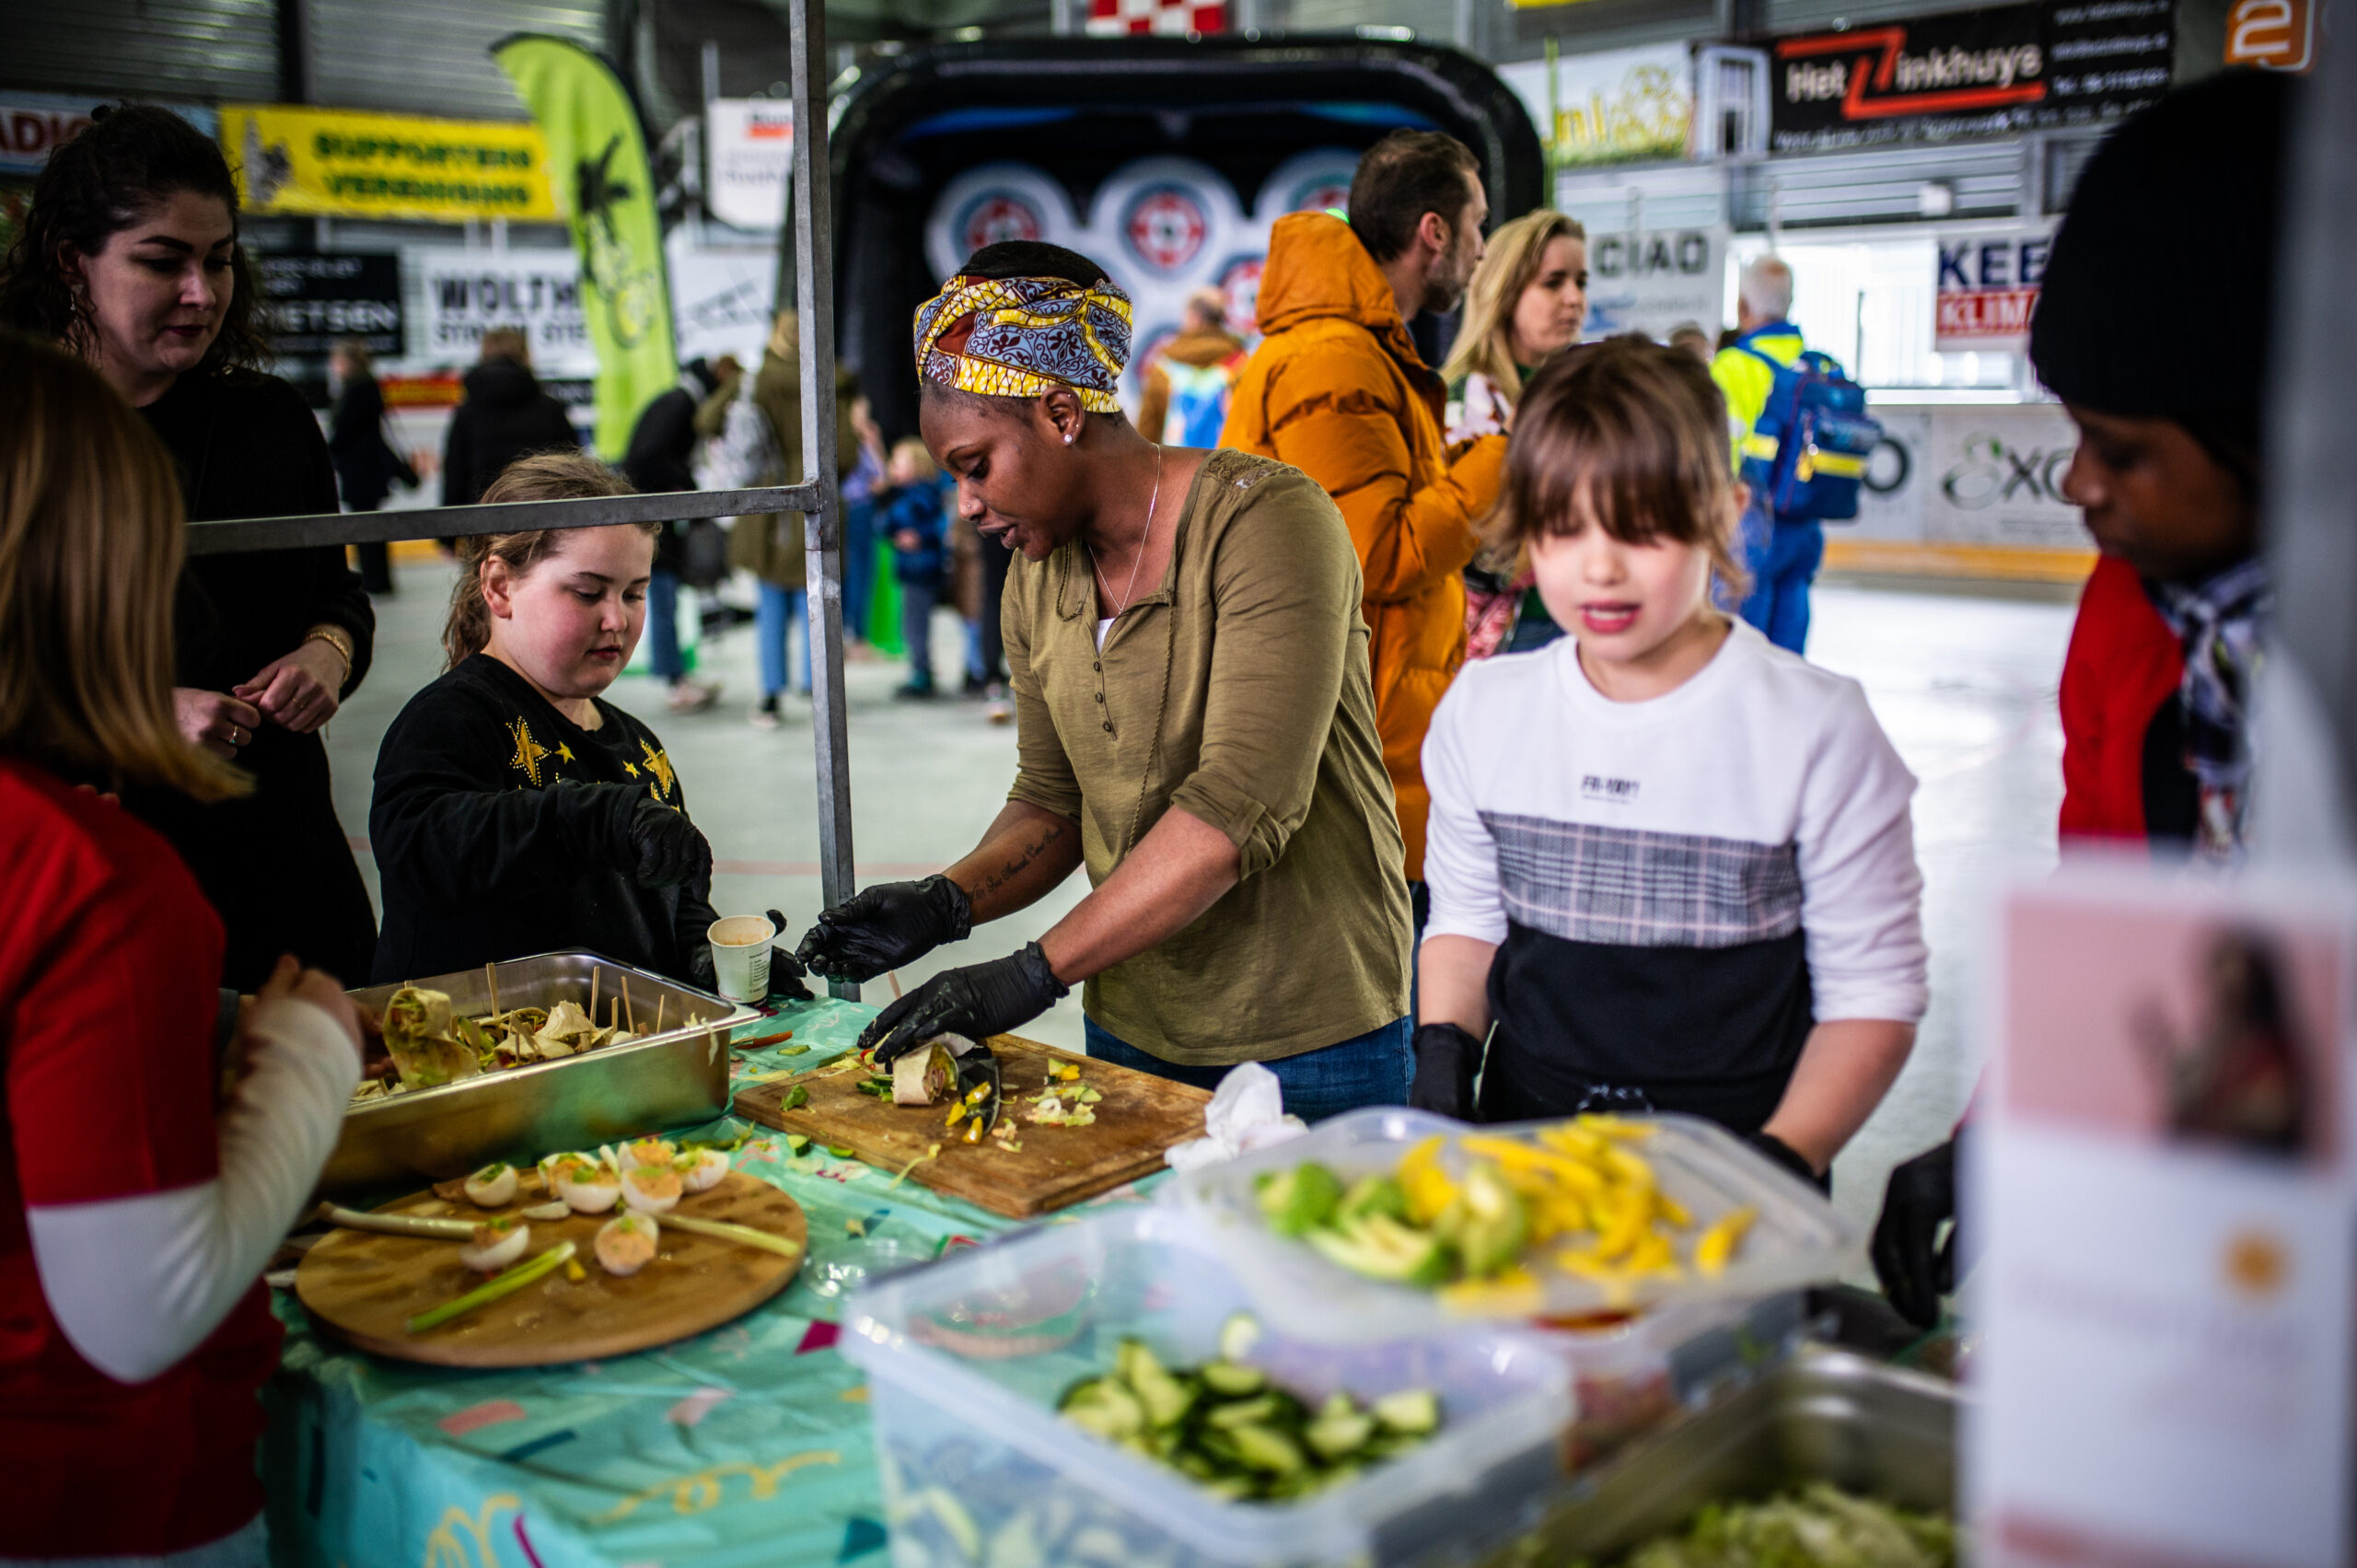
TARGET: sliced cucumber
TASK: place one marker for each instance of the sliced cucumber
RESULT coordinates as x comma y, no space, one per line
1271,1452
1229,1379
1238,1336
1244,1412
1411,1413
1336,1436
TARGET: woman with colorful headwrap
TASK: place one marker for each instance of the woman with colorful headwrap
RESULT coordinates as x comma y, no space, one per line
1195,724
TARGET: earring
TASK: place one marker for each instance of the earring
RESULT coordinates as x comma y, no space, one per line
1068,438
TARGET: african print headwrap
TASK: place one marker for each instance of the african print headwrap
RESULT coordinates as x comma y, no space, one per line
1020,337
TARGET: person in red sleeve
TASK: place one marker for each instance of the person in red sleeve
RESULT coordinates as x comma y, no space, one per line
143,1178
2164,370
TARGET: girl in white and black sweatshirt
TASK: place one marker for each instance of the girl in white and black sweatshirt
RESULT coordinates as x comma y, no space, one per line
1670,864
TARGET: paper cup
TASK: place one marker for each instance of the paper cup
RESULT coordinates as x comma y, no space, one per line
740,956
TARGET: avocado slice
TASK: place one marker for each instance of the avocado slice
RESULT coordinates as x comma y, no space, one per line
1486,1223
1383,1248
1294,1201
1375,1194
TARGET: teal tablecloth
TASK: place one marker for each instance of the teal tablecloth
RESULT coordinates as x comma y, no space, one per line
748,1445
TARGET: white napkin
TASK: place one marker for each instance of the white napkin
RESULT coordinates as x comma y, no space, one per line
1247,1112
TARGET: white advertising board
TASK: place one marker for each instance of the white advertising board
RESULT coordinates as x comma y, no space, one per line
1613,106
1977,474
1651,282
748,152
1988,286
456,295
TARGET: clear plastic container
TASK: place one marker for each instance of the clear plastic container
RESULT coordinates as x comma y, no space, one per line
1796,1238
967,1359
1630,1373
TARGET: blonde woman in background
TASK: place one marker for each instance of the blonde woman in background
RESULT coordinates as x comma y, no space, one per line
1527,301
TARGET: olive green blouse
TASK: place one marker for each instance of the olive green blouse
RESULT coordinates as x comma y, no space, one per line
1239,692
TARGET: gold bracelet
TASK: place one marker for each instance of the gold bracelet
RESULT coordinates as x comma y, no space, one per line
336,638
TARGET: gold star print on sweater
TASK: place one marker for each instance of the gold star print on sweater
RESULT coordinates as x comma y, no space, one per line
529,752
660,764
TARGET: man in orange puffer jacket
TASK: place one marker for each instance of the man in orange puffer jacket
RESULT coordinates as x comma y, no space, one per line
1337,390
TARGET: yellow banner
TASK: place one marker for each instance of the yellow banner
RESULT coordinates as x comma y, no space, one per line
346,163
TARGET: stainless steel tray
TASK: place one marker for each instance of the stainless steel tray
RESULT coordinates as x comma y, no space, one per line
1826,1415
665,1080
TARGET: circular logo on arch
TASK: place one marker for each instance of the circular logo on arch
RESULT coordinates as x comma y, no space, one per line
1320,192
995,216
1240,282
1165,227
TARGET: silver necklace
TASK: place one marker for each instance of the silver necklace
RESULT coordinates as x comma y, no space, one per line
1152,503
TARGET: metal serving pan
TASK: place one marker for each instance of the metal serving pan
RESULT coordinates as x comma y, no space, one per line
665,1080
1824,1415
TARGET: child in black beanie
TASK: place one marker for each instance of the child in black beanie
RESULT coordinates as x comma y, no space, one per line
2163,365
2161,360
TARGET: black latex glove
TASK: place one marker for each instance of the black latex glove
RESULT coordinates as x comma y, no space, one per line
785,971
1915,1266
978,1002
1791,1159
884,926
1447,1060
665,849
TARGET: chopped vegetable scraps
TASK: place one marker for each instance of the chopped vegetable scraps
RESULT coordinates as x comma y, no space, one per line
1821,1526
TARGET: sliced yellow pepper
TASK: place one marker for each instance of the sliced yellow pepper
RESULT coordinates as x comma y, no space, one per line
1428,1188
1624,1225
1717,1245
1671,1210
1619,1127
1513,1290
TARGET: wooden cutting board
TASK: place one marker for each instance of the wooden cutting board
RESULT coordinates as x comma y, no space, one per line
364,1287
1139,1118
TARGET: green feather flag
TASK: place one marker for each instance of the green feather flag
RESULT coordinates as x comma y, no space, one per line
598,163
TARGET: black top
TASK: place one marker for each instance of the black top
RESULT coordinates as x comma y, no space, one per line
502,830
275,864
661,457
365,461
506,415
1584,1026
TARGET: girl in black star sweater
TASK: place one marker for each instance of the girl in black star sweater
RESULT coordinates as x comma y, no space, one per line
516,811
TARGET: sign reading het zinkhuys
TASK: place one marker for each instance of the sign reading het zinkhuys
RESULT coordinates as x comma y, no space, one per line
2003,69
345,163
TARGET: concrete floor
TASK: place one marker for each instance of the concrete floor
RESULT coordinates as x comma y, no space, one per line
1965,686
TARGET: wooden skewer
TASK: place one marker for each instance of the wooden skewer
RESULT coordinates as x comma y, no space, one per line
894,976
594,973
491,981
659,1004
629,1011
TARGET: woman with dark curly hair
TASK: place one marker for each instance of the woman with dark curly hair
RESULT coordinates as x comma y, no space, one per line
129,258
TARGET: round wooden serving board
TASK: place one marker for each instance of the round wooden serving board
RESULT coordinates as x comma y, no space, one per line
366,1287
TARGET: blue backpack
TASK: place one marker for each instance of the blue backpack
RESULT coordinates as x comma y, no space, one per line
1808,453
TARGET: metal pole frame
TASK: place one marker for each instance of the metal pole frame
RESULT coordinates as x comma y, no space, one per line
814,278
817,497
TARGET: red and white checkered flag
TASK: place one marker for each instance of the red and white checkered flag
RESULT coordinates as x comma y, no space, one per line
1129,19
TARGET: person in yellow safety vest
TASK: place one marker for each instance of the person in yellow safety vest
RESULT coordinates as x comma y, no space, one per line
1782,556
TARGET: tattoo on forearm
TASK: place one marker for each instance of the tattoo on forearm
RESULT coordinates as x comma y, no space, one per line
994,880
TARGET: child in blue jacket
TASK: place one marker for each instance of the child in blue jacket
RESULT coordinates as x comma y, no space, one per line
910,516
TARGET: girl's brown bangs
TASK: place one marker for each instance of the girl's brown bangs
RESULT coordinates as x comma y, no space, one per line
1638,484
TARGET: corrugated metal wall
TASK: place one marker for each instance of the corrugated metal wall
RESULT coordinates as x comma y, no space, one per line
177,49
430,57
